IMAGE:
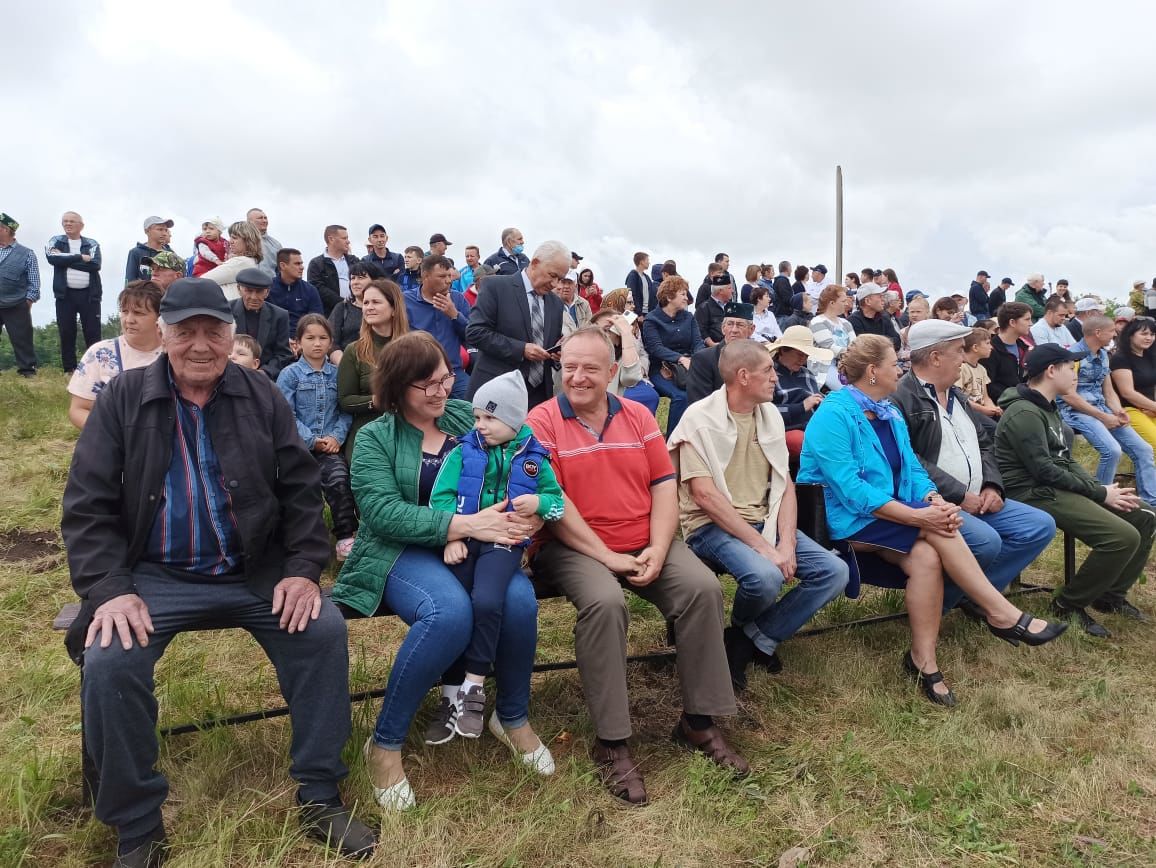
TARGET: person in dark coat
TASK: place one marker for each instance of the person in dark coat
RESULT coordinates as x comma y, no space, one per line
704,377
265,323
1009,350
517,322
329,272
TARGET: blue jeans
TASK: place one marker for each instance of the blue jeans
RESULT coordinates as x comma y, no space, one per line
1110,444
644,394
667,389
1003,543
421,590
461,385
766,619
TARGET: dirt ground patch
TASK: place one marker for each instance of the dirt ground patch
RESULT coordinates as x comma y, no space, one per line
27,545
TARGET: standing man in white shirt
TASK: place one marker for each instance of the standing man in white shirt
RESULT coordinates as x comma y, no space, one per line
75,262
269,244
329,272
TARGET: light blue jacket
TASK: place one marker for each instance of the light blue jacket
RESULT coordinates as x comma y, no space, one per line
313,397
842,453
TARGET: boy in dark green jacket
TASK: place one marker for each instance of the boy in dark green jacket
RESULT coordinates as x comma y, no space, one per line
1038,469
500,460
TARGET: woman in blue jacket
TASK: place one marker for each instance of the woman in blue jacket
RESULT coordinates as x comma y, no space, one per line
880,500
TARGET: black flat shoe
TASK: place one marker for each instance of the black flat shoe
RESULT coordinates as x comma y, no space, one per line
1018,632
927,681
771,663
1122,608
1087,623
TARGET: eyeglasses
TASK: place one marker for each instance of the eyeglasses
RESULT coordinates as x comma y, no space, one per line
431,390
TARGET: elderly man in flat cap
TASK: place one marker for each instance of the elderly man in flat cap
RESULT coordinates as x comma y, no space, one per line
958,452
265,323
19,290
191,498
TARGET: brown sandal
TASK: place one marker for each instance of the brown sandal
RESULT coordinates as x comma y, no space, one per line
620,773
712,745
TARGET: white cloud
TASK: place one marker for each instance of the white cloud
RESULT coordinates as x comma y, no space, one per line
1011,137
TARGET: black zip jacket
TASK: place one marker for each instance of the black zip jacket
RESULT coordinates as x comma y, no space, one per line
922,414
118,470
1004,369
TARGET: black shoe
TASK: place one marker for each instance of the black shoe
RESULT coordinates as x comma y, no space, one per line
740,652
1123,608
927,681
1087,623
150,854
772,663
335,826
1018,632
970,610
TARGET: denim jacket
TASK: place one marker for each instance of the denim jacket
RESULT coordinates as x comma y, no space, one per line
1090,375
313,397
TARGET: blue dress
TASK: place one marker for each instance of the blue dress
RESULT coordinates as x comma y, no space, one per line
883,532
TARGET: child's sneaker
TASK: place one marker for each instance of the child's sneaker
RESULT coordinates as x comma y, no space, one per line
471,711
344,547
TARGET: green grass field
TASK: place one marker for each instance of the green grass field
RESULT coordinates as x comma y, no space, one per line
1050,759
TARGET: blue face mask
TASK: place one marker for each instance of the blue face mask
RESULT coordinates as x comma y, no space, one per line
518,248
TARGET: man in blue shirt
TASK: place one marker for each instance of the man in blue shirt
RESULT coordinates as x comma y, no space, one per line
19,290
390,263
432,307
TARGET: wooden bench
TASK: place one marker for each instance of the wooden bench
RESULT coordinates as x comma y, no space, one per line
812,521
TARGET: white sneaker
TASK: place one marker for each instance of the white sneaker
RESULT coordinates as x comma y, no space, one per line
398,797
540,759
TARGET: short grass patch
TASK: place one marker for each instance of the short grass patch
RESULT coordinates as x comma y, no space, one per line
1049,761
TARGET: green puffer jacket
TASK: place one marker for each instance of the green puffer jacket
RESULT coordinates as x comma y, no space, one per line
385,474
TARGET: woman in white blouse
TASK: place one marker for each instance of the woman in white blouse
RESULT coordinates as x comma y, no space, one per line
245,251
766,326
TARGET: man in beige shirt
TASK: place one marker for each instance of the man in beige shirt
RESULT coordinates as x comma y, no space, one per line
738,512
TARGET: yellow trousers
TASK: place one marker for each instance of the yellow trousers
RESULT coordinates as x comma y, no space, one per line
1144,424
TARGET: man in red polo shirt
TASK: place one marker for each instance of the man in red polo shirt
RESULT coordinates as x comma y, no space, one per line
618,532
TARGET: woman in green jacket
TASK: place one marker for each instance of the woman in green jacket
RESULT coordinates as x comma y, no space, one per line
396,565
383,318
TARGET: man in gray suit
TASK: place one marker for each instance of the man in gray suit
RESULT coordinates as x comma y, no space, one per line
266,323
517,320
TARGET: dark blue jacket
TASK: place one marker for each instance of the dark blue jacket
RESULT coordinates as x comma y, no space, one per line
133,270
61,260
634,282
667,338
298,299
507,263
450,333
409,280
392,264
977,302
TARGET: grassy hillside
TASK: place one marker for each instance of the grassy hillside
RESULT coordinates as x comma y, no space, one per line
1050,759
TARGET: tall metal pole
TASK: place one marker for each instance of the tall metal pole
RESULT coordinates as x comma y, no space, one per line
838,225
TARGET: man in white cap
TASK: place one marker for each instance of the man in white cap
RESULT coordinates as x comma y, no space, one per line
738,512
870,318
958,453
1086,307
576,312
158,234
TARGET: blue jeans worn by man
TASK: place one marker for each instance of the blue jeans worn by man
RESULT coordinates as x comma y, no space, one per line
758,611
1111,444
1003,543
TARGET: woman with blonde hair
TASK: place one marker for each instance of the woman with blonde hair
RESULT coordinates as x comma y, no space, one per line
880,501
383,318
245,251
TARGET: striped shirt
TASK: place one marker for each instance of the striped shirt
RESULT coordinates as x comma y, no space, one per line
195,528
607,475
31,272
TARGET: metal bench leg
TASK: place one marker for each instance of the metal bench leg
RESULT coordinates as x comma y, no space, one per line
1069,558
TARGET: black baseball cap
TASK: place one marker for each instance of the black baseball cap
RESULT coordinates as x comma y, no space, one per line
1007,281
1046,355
822,269
376,227
982,273
577,255
437,236
194,296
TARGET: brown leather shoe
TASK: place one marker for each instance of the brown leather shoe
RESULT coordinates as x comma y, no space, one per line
620,773
710,743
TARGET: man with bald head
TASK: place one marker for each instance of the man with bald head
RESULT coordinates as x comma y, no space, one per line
269,244
518,320
618,532
738,512
75,261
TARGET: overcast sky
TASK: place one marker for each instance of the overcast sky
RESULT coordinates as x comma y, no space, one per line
1014,137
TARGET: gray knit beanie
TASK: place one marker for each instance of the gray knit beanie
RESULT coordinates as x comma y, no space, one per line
504,397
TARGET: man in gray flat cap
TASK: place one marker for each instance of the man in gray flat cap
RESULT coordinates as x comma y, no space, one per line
192,498
265,323
958,453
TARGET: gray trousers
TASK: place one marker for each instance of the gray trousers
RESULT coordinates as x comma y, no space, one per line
120,708
685,592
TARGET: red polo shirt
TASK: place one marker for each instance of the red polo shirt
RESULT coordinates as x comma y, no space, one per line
608,477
